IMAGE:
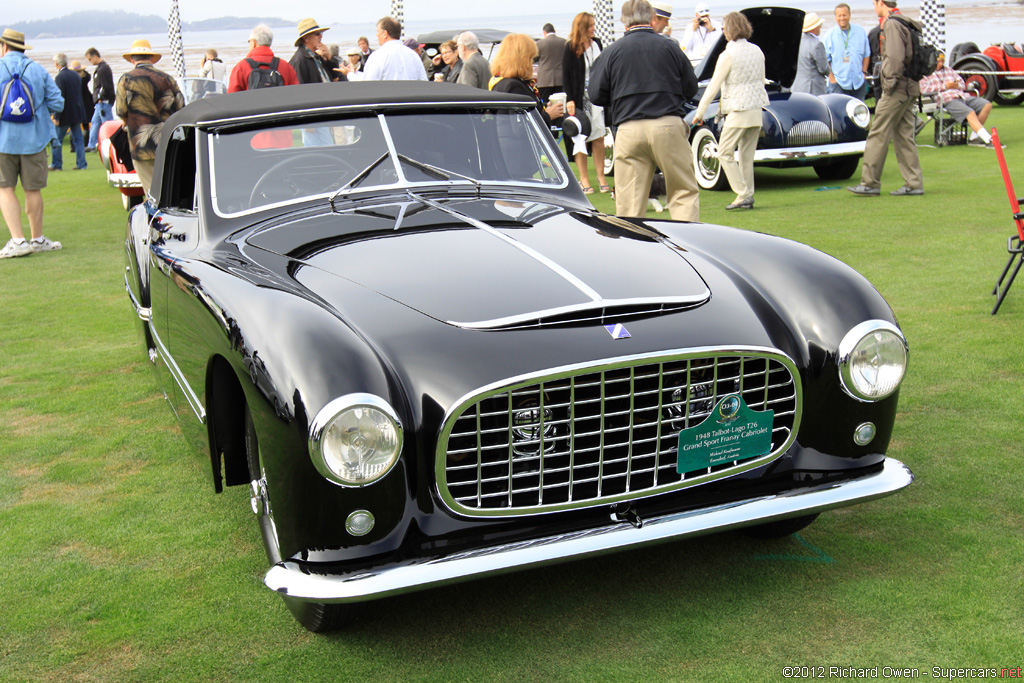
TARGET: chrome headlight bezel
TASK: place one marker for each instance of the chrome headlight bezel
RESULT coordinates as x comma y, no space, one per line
329,464
858,112
870,332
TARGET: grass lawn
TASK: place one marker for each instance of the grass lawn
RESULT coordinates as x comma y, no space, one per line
118,563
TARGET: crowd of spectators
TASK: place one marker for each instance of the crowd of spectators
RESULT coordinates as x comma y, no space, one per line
572,82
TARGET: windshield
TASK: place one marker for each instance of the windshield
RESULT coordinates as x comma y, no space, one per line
351,156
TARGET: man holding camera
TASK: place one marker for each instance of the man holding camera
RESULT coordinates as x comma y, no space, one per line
700,35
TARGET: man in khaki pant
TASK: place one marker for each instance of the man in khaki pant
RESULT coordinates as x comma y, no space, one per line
894,116
642,81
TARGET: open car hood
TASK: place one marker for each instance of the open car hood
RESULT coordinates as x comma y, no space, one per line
492,264
777,31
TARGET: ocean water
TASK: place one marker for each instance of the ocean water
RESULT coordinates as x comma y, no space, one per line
982,22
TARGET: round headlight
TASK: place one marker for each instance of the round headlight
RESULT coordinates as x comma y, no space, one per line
355,440
858,113
872,360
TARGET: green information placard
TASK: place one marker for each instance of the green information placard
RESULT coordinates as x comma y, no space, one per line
731,432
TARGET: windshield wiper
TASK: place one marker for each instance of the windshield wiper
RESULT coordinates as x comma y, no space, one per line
436,172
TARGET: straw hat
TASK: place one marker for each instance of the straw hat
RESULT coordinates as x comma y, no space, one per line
76,65
307,26
811,21
142,48
15,39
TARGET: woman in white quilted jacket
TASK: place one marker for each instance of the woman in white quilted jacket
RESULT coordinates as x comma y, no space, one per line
739,74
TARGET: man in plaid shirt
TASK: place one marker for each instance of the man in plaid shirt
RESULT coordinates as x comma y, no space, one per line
950,89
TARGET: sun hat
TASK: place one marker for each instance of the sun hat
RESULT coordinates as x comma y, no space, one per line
141,47
76,65
307,26
15,39
811,21
662,9
353,51
703,10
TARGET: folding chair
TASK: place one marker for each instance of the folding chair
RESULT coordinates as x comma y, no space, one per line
1013,243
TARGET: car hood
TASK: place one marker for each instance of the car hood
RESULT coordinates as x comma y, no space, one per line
492,264
777,31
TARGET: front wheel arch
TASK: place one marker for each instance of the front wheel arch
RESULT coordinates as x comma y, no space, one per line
226,409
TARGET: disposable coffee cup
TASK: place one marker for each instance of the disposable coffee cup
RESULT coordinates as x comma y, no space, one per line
558,97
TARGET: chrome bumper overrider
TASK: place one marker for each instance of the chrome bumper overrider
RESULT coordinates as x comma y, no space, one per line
840,149
298,581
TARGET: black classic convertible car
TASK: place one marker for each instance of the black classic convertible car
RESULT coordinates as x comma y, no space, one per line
826,132
390,311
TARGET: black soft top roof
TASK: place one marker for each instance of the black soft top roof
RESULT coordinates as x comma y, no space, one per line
236,108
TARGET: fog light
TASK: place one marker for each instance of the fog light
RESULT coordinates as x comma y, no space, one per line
359,523
864,434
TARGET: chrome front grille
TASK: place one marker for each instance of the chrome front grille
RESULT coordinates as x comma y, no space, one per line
810,133
584,436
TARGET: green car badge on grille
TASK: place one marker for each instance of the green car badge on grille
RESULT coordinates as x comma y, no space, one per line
731,432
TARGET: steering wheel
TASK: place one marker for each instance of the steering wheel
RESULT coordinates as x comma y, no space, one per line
300,176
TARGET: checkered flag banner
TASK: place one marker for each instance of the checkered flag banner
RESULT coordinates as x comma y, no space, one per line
398,13
177,46
933,16
604,20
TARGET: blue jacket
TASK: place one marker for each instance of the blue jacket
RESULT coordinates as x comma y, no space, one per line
33,136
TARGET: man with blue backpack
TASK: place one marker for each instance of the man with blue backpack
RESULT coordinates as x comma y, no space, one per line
28,97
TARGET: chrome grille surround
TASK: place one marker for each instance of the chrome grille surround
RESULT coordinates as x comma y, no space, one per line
810,133
603,432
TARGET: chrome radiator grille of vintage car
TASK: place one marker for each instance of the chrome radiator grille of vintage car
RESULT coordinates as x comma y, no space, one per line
810,133
584,436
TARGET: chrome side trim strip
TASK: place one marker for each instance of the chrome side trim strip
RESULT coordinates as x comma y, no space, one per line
179,377
145,314
579,284
582,308
300,582
815,152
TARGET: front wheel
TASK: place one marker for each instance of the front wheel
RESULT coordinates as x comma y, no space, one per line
840,170
705,160
315,617
984,84
1009,99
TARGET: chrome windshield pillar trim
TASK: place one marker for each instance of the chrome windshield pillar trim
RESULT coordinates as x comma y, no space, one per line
179,377
301,582
838,149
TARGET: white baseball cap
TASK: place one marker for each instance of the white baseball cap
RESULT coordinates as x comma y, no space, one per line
703,10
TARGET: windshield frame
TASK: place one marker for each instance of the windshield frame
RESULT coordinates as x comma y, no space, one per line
395,158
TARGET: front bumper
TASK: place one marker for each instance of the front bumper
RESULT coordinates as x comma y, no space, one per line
811,153
124,181
302,582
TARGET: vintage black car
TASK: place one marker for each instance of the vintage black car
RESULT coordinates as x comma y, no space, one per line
826,132
390,311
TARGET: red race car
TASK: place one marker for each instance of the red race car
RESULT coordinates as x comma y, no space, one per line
120,171
997,73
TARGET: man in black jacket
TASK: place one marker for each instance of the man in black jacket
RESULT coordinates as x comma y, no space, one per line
642,81
312,59
102,95
70,85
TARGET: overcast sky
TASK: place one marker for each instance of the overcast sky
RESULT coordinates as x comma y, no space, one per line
324,11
